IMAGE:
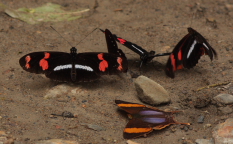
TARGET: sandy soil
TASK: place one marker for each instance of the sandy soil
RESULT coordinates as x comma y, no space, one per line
25,114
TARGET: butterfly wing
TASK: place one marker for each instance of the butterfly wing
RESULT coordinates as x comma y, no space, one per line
113,49
132,46
197,47
39,62
144,119
137,49
58,65
175,59
105,63
111,43
188,51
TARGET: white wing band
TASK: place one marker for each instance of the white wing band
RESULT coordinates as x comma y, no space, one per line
191,48
69,66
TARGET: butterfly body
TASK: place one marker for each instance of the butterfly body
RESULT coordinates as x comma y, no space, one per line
144,119
76,67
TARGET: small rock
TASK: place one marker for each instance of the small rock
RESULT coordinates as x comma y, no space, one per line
207,125
201,119
56,141
5,139
186,128
57,91
229,6
94,127
131,142
224,98
223,132
225,110
151,92
204,141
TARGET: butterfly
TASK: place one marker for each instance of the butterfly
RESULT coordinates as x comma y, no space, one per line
145,119
185,54
77,67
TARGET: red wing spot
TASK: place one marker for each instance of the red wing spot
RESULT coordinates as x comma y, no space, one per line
203,51
180,66
100,56
46,55
43,62
180,55
173,62
103,64
122,41
27,59
119,61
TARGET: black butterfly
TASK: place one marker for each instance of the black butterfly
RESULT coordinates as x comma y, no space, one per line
185,54
77,67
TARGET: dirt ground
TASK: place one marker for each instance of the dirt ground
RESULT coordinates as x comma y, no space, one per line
25,114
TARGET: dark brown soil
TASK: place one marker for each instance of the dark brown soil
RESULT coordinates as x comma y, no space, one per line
25,114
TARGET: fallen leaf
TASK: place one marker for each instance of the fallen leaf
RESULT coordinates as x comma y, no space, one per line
45,13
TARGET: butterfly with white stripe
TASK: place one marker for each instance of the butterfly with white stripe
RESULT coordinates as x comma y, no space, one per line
188,51
77,67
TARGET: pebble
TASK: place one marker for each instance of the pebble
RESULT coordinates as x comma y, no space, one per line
204,141
5,139
62,90
56,141
201,119
186,128
151,92
223,132
57,91
94,127
224,98
225,110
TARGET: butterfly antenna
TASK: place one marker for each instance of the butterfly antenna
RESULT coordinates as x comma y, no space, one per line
192,20
61,36
87,35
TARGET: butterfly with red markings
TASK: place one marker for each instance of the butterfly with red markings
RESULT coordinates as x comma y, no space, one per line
185,54
145,119
77,67
188,51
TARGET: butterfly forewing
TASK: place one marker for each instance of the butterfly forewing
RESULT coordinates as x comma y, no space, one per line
111,43
40,62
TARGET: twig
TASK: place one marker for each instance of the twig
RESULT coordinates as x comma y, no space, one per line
213,85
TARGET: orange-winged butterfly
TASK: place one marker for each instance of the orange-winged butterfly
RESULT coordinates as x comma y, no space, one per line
77,67
145,119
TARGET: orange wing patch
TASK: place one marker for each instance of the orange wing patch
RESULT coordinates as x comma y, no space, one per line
44,63
137,130
27,59
103,64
